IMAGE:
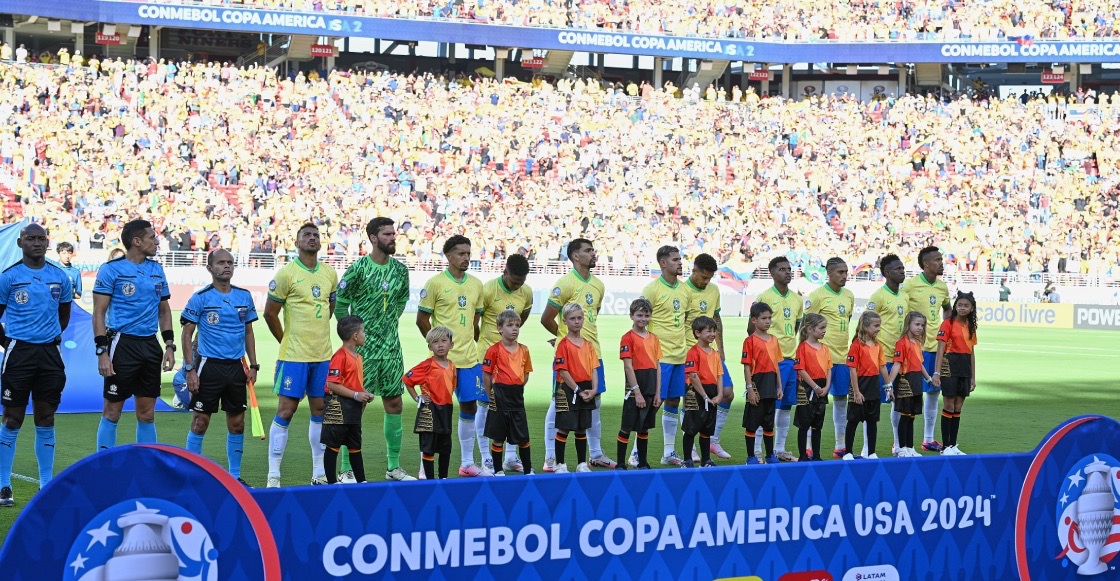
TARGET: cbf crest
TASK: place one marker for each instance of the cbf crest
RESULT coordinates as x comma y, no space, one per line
316,291
462,301
1088,514
676,304
384,285
786,312
703,306
843,309
590,298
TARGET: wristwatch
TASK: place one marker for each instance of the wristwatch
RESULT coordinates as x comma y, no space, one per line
255,367
188,367
102,350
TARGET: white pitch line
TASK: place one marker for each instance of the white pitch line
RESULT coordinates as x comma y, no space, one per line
25,478
1063,353
1063,347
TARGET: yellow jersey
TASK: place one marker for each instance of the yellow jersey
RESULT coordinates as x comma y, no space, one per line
701,303
495,299
306,295
453,304
929,299
670,307
891,307
836,308
588,292
786,320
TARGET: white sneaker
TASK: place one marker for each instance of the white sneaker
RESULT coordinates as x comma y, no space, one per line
873,457
718,451
948,451
672,460
421,475
633,461
499,473
513,465
488,465
583,467
695,456
849,456
399,475
319,480
912,453
958,452
347,477
273,482
550,465
560,468
486,472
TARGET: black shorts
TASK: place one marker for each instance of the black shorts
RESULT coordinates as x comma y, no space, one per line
433,419
573,413
811,414
910,405
137,364
432,443
337,435
220,381
868,411
759,416
35,370
699,418
635,419
956,386
512,427
766,384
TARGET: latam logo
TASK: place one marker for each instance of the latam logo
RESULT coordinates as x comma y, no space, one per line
872,573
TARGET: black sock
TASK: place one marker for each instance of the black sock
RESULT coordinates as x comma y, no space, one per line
330,464
850,435
815,436
689,440
358,465
947,428
768,443
561,443
705,448
444,465
802,442
496,455
906,429
526,458
623,444
956,427
581,448
643,449
872,436
429,468
750,444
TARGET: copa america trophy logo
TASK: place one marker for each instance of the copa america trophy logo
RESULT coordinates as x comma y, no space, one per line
1089,518
144,538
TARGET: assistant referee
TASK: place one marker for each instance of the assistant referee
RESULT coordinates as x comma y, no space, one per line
36,296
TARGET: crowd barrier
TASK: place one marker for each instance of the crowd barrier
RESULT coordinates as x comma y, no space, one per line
1053,513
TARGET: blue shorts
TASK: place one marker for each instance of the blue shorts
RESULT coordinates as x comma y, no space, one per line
298,379
841,380
468,385
672,380
602,378
789,385
930,360
727,381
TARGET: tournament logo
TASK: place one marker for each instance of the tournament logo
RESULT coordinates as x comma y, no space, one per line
128,289
556,292
1089,515
423,293
462,301
159,538
316,291
808,303
342,284
676,304
22,297
212,317
871,305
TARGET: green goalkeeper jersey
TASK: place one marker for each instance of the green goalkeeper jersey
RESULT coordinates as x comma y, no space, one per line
378,294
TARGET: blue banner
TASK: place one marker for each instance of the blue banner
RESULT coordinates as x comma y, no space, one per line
598,41
1050,514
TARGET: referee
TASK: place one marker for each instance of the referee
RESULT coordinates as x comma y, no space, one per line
130,303
36,296
223,315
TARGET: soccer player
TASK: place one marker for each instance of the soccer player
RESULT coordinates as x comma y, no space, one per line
889,302
375,288
704,301
36,297
508,292
579,285
669,297
929,295
130,303
836,303
65,252
305,289
956,367
345,400
505,371
703,368
223,314
435,376
786,321
640,352
453,299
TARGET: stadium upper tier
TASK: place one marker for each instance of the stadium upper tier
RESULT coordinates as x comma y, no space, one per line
781,19
239,159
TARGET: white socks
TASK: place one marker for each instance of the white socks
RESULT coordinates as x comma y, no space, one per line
480,432
595,434
930,408
550,430
758,451
840,420
314,436
466,440
669,423
277,442
863,451
781,425
895,417
721,418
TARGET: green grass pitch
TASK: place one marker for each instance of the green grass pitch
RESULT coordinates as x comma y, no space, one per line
1029,380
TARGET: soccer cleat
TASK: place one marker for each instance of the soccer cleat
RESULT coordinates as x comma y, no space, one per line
718,451
958,451
318,480
688,464
633,461
644,467
561,469
469,470
347,477
6,498
695,455
488,465
583,467
399,475
421,475
933,446
873,456
243,483
752,460
671,460
513,465
273,482
785,456
499,473
708,464
603,462
850,456
549,464
839,453
771,459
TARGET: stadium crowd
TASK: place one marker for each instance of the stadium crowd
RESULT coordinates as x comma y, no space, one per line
235,158
788,19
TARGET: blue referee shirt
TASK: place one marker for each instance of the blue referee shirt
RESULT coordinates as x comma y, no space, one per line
31,297
134,291
221,320
75,278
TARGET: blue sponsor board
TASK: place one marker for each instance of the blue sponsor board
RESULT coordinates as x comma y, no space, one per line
459,31
1050,514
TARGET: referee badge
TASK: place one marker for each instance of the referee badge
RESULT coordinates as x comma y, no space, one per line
316,291
212,317
22,297
242,314
128,289
56,292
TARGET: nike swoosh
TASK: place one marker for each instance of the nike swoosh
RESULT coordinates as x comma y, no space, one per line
299,280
